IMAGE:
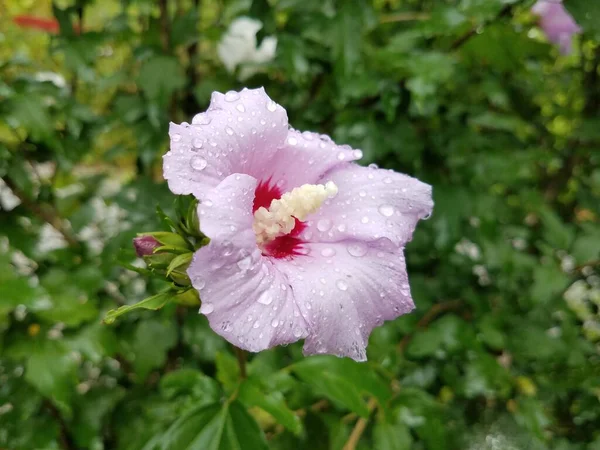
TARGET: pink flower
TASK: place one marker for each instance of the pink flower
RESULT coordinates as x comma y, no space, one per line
557,23
305,244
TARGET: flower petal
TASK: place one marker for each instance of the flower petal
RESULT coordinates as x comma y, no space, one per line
238,133
371,204
306,157
245,298
345,290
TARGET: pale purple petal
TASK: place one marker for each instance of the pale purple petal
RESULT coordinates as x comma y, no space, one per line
239,133
305,157
557,23
371,204
245,298
346,289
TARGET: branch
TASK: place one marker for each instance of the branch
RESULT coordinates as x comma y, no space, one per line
165,25
45,212
66,441
404,17
359,428
473,31
430,316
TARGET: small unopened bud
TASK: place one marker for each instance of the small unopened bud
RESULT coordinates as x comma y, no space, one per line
145,245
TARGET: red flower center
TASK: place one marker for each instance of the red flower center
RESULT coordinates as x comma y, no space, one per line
283,246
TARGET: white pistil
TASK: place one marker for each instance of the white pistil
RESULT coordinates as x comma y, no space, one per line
281,216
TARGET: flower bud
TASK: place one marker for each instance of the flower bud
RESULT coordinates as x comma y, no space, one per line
145,245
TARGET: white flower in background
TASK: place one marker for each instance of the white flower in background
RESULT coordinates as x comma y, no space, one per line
238,47
8,200
52,77
50,239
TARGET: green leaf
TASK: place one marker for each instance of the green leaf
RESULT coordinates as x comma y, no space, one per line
155,302
387,436
228,371
160,76
180,262
215,427
343,380
253,393
52,370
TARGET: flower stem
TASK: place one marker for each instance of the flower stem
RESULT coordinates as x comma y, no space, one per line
359,428
241,356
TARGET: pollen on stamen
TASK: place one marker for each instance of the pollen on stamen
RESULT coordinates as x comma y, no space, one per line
280,218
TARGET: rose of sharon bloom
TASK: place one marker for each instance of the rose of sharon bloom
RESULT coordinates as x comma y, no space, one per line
238,47
305,244
557,23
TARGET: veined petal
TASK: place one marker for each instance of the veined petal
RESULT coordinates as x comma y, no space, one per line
245,298
239,133
371,204
346,289
305,157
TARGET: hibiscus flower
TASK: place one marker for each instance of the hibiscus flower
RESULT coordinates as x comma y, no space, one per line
305,243
557,23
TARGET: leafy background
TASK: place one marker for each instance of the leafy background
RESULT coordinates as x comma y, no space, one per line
502,352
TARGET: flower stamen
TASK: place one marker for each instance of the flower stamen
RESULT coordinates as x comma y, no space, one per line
280,218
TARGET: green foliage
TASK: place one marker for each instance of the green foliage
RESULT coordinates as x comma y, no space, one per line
467,95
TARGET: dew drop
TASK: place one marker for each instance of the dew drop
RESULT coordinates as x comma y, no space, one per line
176,137
365,219
341,156
198,163
201,119
386,210
292,140
387,180
362,193
241,108
274,323
297,332
197,143
265,298
207,308
341,285
327,252
231,96
323,224
229,131
199,282
357,154
357,249
244,264
256,324
271,106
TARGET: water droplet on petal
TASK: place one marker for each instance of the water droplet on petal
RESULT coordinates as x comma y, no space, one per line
176,137
199,282
198,163
387,180
341,285
357,154
323,224
241,108
357,249
231,96
362,193
207,308
256,324
197,143
386,210
271,106
292,140
341,156
265,298
201,119
229,131
365,219
297,332
274,323
327,252
244,264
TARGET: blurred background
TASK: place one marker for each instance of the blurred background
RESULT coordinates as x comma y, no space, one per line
468,95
